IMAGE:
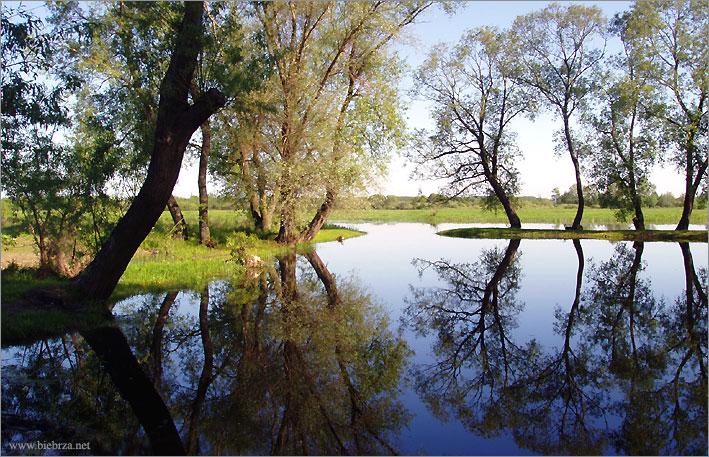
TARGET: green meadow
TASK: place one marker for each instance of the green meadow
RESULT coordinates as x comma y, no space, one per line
559,214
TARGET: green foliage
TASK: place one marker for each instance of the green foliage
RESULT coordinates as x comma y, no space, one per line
670,50
7,242
667,200
52,184
333,98
242,246
475,97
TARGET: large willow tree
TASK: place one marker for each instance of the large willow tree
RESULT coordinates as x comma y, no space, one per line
331,112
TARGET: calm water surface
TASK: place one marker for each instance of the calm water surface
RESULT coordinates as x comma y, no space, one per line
400,341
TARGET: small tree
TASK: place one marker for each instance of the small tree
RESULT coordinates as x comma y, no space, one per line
58,188
476,98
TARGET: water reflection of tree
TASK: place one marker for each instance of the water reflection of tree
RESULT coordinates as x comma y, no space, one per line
623,354
471,315
290,362
333,367
58,389
557,404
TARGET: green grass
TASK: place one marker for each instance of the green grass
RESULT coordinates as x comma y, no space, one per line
21,325
167,264
333,232
161,263
17,282
543,214
611,235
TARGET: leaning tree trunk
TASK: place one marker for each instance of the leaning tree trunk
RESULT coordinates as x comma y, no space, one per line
202,184
576,225
698,163
320,217
177,218
691,186
176,122
501,195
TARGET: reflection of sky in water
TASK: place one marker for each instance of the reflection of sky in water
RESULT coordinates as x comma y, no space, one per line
381,263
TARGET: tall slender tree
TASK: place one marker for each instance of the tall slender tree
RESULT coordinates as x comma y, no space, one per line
558,52
622,133
673,51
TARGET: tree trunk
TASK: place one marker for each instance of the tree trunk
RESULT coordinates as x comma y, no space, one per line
267,209
202,184
177,218
205,378
176,122
690,192
156,346
639,219
110,344
504,199
691,185
576,225
287,233
251,188
320,217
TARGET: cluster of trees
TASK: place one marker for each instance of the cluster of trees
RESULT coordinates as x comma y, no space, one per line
618,114
609,199
379,201
310,100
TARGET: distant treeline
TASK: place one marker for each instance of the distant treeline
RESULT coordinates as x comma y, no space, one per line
379,201
593,199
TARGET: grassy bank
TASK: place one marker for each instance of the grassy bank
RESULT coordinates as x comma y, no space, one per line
611,235
562,214
161,264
